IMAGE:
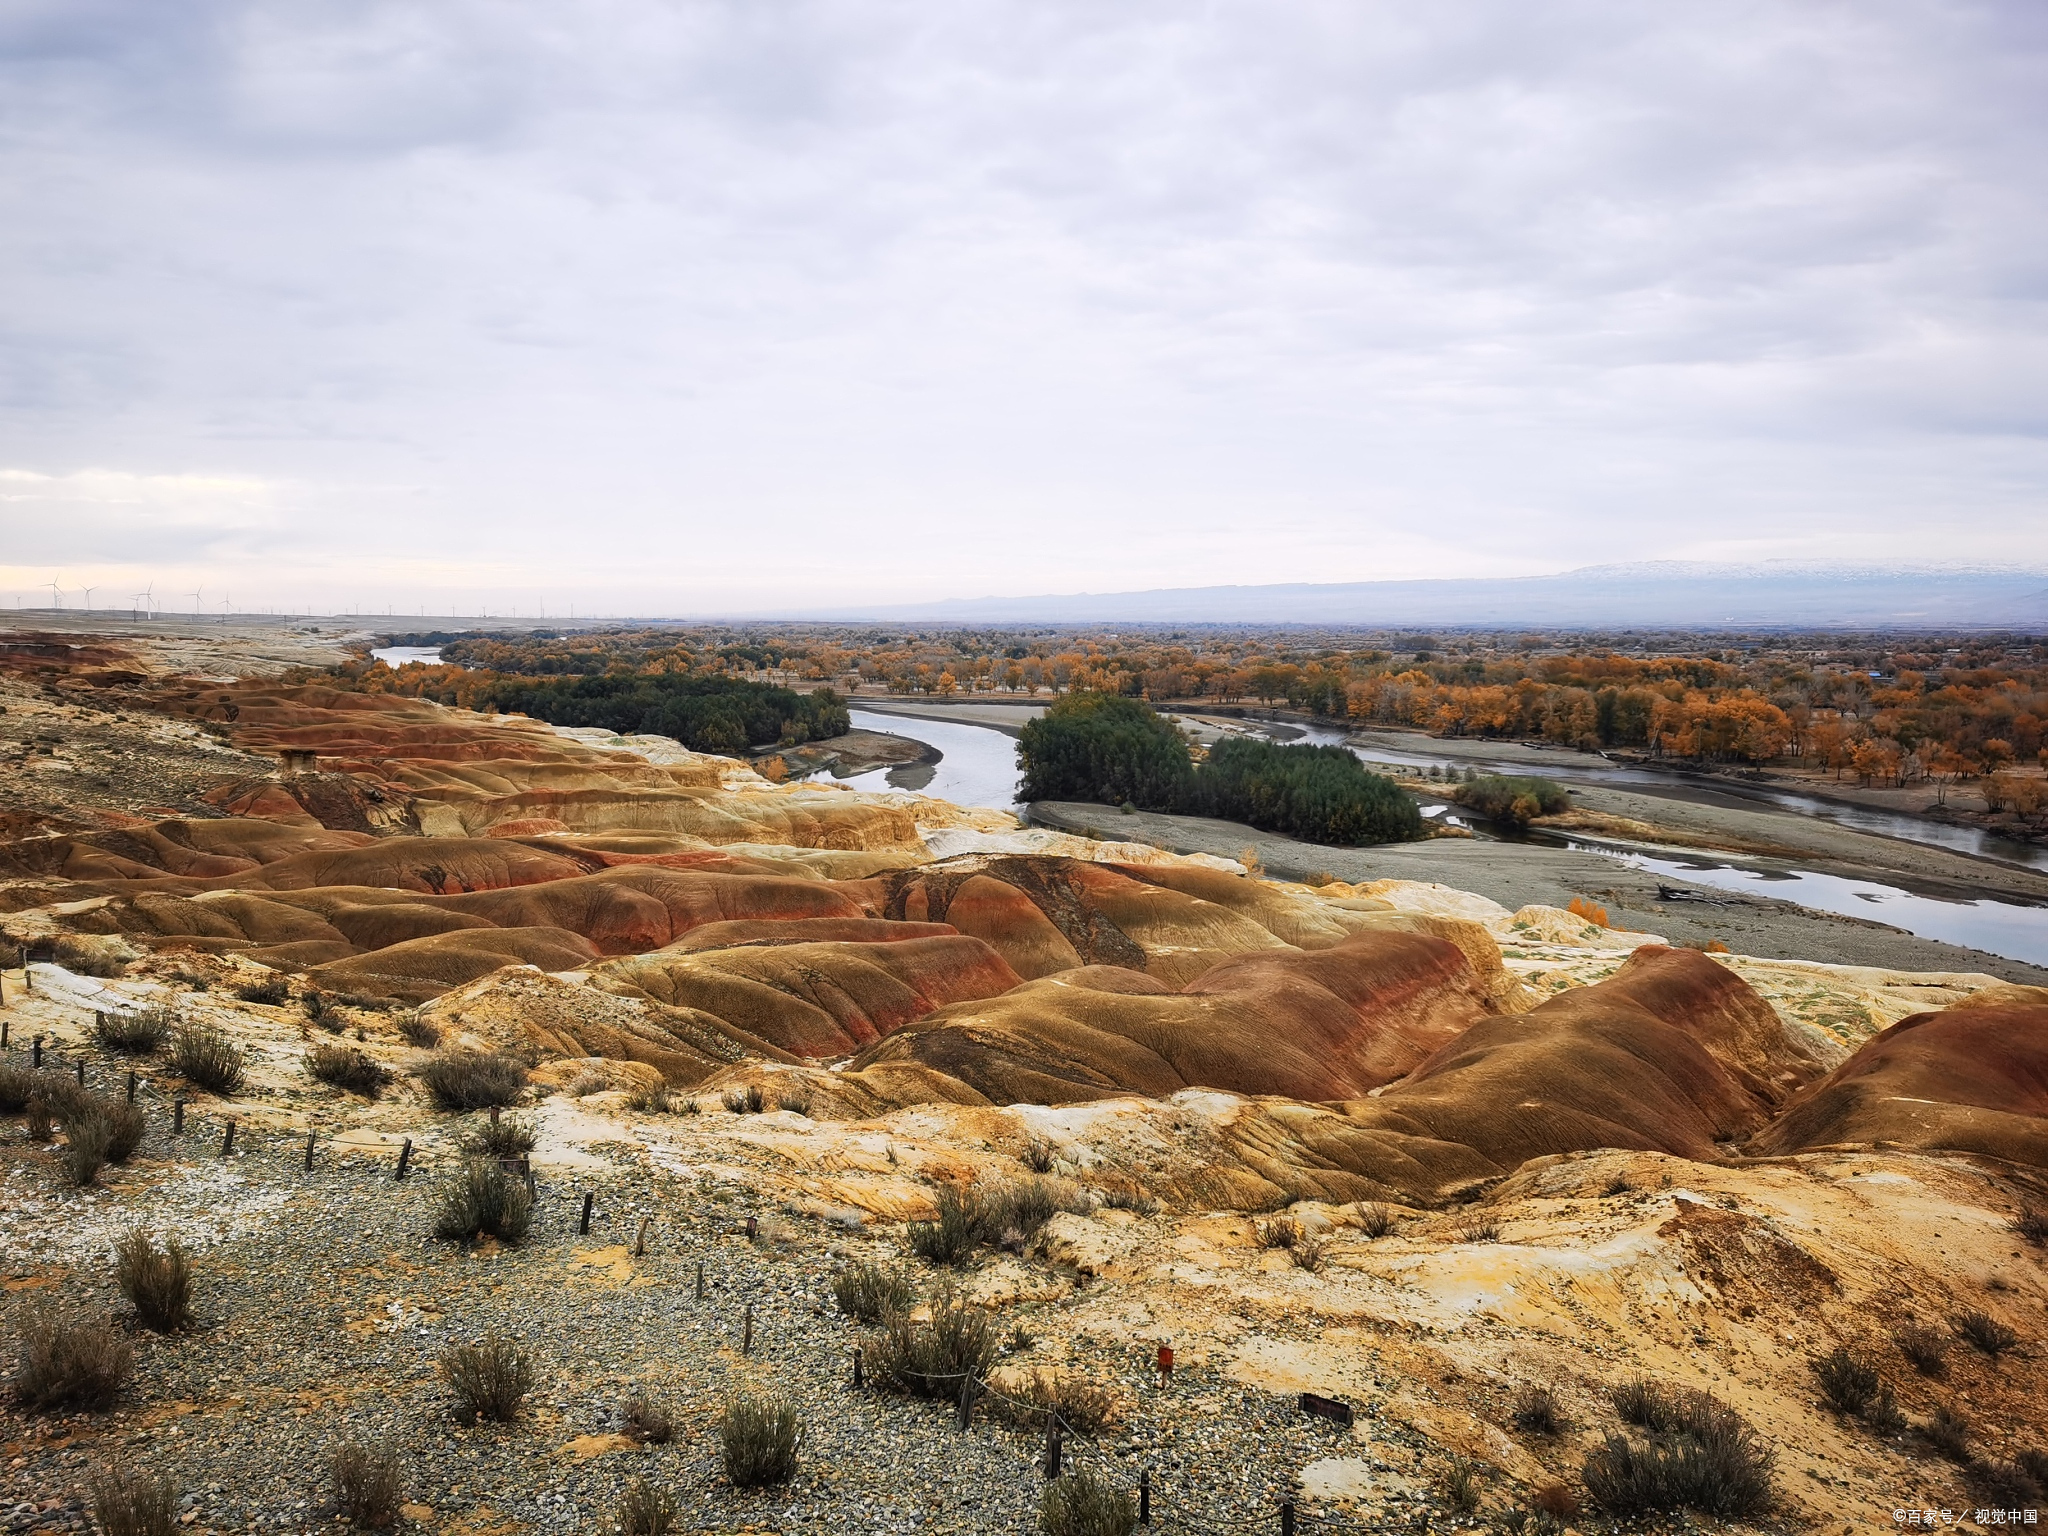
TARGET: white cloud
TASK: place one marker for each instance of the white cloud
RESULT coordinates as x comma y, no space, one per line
668,303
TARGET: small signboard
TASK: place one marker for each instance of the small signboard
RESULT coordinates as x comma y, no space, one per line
1332,1408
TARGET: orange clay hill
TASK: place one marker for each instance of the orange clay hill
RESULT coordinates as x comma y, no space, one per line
1474,1171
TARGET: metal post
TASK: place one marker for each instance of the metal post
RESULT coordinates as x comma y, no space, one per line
1286,1517
589,1199
1144,1496
857,1383
35,1058
1052,1445
404,1157
6,1025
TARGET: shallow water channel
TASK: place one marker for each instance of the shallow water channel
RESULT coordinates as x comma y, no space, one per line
980,768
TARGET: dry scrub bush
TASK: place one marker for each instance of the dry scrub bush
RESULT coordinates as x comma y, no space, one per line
484,1200
489,1380
1848,1383
207,1057
1038,1156
928,1359
1986,1332
368,1485
643,1419
2004,1484
269,992
869,1291
1309,1253
1128,1195
652,1101
1280,1232
83,957
128,1502
1080,1403
2032,1224
414,1030
1085,1503
1002,1215
134,1032
506,1136
758,1438
17,1087
1374,1219
156,1281
796,1100
746,1101
466,1080
346,1067
1484,1230
1949,1433
1924,1347
646,1510
1461,1485
1537,1411
1700,1456
69,1365
88,1134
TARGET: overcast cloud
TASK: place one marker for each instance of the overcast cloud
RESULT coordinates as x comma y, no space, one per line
693,307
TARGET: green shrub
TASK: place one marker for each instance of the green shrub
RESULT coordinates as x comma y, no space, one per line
69,1365
467,1080
757,1439
952,1236
706,714
868,1291
484,1200
1085,1503
1511,799
490,1379
156,1281
207,1057
1317,794
928,1359
127,1502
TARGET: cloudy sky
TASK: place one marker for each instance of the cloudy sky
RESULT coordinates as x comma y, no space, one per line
662,306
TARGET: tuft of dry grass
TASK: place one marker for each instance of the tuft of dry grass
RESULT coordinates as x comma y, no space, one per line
271,992
1949,1433
129,1502
17,1087
646,1510
207,1057
1085,1503
467,1080
746,1101
645,1420
1280,1232
927,1359
490,1379
1080,1403
88,1138
70,1365
414,1030
369,1486
758,1439
1537,1411
1461,1485
1038,1156
349,1068
2032,1224
136,1031
506,1136
1374,1219
1700,1456
1850,1384
156,1281
484,1200
869,1291
1481,1230
1309,1253
1924,1347
652,1101
1986,1332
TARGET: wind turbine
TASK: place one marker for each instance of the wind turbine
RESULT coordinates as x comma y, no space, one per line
142,598
88,597
225,603
56,593
195,599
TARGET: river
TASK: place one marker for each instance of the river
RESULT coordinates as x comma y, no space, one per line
980,768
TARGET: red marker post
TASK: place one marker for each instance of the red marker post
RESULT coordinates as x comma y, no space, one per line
1165,1367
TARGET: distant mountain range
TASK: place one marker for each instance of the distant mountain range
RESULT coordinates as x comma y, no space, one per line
1661,594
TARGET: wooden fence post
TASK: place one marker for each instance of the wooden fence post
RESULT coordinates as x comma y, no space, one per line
178,1115
309,1149
404,1157
589,1199
747,1339
1144,1496
227,1141
1286,1517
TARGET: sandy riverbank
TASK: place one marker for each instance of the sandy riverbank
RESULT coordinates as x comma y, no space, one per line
1523,874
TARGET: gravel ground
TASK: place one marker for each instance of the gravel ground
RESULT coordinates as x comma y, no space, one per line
323,1304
